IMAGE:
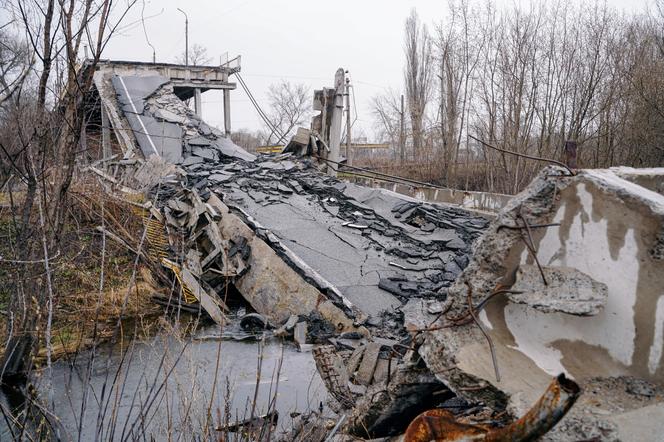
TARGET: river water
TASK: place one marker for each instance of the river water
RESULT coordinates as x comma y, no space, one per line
162,386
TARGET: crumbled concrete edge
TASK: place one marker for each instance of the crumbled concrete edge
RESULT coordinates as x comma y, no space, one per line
632,195
491,263
487,268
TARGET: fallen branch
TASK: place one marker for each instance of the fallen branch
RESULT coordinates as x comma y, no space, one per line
119,240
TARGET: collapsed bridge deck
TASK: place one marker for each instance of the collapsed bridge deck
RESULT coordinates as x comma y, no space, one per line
371,248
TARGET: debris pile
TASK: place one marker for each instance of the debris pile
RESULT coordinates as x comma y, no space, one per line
414,308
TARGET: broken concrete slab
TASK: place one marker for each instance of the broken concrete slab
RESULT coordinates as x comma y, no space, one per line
640,424
272,287
220,177
190,161
366,369
230,149
567,290
355,359
417,314
300,336
205,153
168,116
199,141
350,243
133,90
160,131
157,138
594,222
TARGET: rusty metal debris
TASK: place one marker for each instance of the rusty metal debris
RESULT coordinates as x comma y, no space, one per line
530,244
492,348
334,374
441,426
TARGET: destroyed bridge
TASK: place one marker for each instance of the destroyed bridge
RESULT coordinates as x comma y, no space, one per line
434,319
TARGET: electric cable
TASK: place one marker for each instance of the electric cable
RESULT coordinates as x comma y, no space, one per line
260,111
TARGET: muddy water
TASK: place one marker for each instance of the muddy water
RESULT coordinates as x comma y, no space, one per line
610,241
178,376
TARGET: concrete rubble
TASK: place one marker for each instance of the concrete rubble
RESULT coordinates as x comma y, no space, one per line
410,306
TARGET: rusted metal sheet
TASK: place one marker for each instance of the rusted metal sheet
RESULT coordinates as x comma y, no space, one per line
441,426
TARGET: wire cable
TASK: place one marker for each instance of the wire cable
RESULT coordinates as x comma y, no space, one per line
260,111
253,100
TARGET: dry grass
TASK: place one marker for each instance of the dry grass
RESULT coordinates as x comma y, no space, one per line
84,309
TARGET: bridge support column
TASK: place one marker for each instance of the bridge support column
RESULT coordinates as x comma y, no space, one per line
198,106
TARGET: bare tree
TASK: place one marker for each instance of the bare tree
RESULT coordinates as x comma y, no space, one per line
386,110
417,75
527,79
15,64
246,139
290,107
458,54
198,56
41,156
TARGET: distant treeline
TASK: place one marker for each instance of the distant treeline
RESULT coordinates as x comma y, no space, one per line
526,79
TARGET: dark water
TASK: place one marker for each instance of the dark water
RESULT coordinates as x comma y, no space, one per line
163,386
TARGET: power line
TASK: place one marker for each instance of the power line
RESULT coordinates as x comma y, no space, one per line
294,77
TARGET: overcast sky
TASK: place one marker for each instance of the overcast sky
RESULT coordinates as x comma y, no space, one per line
298,40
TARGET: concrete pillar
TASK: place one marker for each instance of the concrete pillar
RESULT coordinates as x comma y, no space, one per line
335,123
197,103
105,134
227,107
227,111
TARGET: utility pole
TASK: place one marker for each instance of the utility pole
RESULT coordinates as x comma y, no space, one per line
186,38
402,135
349,148
335,122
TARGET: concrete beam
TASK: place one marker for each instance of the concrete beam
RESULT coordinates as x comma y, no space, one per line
204,85
272,287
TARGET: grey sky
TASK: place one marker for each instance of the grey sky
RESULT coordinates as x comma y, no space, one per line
298,40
